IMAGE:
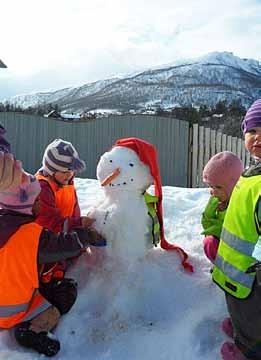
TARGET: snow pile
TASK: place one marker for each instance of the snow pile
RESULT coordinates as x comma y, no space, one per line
155,311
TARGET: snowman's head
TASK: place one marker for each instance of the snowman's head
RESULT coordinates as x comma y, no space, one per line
121,169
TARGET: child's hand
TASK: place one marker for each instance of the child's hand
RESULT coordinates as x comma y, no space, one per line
90,237
211,247
211,221
210,211
86,221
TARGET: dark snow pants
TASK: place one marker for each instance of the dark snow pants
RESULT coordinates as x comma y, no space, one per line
246,319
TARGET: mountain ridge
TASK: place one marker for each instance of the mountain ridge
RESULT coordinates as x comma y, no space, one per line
206,80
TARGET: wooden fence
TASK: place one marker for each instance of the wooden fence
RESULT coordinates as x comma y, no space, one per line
182,150
29,135
204,143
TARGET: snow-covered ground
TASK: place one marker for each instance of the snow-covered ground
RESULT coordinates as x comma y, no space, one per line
155,311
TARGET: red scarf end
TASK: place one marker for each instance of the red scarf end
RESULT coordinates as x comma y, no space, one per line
183,255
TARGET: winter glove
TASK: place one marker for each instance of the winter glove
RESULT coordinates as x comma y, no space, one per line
211,247
89,236
86,221
212,219
61,293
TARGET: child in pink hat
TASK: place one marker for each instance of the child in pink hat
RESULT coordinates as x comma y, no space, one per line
221,174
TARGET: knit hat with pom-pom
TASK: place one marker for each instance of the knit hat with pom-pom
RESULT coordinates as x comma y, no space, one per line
60,155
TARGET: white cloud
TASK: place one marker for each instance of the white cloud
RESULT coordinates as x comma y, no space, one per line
56,43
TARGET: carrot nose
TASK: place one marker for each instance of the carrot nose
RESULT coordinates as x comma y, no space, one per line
110,177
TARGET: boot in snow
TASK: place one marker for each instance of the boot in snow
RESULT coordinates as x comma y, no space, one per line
227,327
43,342
229,351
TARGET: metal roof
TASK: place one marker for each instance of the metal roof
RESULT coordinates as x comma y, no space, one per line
2,65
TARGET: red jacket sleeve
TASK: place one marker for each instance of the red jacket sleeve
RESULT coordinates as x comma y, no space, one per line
50,216
75,220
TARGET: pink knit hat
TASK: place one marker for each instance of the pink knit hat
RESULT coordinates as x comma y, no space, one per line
21,198
223,169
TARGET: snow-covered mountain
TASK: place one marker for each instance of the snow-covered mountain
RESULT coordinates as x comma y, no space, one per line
200,81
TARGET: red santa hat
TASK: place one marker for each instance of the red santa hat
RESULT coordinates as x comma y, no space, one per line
147,153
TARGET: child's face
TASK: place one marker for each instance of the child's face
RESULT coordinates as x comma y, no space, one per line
219,192
64,177
253,141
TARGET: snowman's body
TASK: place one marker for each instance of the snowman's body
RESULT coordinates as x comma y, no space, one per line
122,217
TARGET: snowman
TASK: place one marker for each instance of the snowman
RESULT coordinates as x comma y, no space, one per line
129,217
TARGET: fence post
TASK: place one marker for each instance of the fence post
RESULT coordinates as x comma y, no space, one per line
195,156
190,153
201,155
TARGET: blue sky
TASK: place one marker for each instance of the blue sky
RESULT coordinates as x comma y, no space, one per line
53,44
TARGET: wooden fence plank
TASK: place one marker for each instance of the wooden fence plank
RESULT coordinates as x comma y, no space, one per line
224,142
207,145
229,143
213,135
218,142
201,155
195,155
239,148
234,145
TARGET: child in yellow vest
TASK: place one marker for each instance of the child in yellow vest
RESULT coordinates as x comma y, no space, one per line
234,271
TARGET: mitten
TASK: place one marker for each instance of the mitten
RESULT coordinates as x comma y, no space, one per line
89,236
211,247
212,219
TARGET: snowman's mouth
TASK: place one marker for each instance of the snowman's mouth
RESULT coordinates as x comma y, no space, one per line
124,183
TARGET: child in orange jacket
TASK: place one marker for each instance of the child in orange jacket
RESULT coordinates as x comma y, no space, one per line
58,199
30,307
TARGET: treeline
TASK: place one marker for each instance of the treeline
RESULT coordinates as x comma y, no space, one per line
39,110
223,116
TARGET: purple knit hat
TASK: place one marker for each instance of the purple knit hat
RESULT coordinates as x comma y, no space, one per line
21,198
223,169
61,155
252,118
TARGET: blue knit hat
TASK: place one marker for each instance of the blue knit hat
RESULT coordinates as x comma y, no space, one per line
252,118
60,155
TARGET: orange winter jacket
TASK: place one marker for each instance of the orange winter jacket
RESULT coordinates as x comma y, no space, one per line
19,297
65,197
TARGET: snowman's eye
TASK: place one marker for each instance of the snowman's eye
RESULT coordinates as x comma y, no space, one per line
110,161
131,164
